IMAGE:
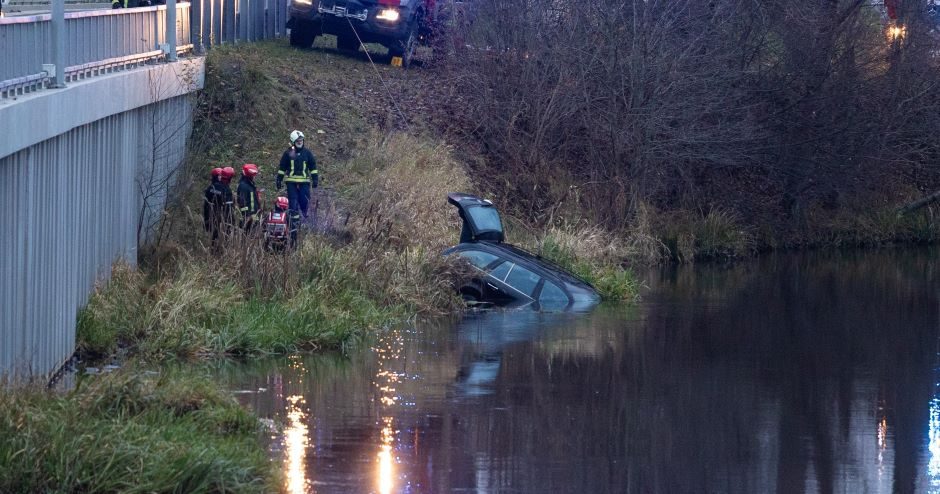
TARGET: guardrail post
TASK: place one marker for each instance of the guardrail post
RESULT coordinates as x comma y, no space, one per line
171,30
58,41
195,25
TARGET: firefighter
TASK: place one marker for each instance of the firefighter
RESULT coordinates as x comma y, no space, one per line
249,202
228,213
280,231
217,204
298,168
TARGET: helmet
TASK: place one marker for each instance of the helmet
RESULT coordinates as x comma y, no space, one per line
216,172
282,202
296,135
250,170
227,173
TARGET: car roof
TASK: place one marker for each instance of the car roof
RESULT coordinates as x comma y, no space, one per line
528,259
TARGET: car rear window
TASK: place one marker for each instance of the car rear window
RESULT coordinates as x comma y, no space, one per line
485,218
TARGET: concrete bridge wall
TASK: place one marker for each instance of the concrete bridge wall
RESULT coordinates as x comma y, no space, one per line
83,173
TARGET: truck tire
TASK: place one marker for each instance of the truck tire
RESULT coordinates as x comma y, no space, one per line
302,35
347,43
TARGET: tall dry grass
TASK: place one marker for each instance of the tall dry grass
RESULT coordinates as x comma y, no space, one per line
399,184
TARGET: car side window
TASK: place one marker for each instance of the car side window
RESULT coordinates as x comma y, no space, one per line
552,295
478,258
500,272
523,280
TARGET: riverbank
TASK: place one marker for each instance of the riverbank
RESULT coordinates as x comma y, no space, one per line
382,220
131,431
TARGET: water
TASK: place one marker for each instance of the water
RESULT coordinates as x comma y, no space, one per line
802,373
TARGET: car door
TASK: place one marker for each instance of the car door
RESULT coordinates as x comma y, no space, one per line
487,286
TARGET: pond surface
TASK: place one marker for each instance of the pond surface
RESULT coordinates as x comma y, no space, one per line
791,373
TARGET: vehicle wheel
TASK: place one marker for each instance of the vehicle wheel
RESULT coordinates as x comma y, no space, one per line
471,293
405,48
302,35
347,43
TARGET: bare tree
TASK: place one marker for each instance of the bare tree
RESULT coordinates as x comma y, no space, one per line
615,104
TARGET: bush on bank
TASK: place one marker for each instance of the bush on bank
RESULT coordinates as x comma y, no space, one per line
130,432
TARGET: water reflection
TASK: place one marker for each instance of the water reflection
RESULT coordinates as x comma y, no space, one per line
386,461
388,350
296,441
799,374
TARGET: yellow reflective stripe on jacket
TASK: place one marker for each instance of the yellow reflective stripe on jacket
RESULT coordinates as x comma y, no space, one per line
297,179
280,172
303,175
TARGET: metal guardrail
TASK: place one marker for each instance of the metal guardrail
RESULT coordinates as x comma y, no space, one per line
90,36
102,40
31,83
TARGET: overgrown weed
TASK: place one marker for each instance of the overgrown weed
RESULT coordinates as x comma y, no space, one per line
715,234
130,432
593,254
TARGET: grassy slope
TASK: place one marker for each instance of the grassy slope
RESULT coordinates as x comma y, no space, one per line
384,175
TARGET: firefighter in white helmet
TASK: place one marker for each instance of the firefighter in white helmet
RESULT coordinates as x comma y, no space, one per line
298,168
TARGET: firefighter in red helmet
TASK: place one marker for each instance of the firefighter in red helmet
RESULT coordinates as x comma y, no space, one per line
280,227
217,205
249,202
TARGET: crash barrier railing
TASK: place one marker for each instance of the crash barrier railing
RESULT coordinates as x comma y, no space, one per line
94,38
216,22
35,82
104,40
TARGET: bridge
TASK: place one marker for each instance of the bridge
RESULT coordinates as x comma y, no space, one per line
95,111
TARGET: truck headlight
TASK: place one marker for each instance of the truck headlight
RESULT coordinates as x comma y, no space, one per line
390,15
303,2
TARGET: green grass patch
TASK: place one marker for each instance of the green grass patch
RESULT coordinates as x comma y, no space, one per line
594,255
878,227
129,432
716,234
198,312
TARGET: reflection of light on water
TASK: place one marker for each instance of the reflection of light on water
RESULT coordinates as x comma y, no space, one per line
385,381
386,463
295,440
882,443
933,467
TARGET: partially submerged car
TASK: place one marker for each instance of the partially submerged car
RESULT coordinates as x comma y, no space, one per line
507,275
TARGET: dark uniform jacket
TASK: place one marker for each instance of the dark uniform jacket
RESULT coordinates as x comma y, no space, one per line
298,166
217,204
249,204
